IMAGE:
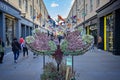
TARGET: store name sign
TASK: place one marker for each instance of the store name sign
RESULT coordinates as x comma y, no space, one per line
3,6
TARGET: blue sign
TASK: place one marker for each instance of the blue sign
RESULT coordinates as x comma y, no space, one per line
69,61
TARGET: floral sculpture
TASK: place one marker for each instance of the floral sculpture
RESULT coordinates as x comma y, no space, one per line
40,42
72,44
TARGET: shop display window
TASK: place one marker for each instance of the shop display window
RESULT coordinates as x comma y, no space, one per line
109,28
9,30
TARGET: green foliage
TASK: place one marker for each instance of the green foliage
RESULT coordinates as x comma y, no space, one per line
80,29
29,39
52,45
51,73
87,38
64,45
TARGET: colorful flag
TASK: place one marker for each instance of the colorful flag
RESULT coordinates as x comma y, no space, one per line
49,17
43,25
34,17
60,18
74,19
39,15
52,22
78,20
69,25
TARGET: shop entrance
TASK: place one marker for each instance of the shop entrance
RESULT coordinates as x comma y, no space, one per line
9,29
116,50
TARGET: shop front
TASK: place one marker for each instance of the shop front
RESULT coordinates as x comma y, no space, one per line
108,22
9,23
26,27
91,28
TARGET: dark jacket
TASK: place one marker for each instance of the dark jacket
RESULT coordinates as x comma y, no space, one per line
2,43
15,45
2,46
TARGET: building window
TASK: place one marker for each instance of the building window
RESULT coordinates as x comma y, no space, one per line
37,1
26,5
97,3
31,11
79,2
86,9
91,5
83,14
34,12
20,4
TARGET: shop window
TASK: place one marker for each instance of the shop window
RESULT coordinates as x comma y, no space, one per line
27,31
30,30
109,32
9,30
23,31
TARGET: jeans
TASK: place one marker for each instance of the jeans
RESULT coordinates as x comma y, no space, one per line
25,50
16,55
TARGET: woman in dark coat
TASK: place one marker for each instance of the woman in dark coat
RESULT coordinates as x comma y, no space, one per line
15,48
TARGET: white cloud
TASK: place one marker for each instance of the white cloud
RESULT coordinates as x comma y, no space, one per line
54,4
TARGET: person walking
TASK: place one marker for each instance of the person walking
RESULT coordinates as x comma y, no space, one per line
15,48
24,48
99,42
1,51
21,40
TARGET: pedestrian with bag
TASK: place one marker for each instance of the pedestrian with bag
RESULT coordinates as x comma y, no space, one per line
1,51
15,48
24,48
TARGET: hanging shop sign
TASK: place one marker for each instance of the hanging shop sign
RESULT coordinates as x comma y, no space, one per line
93,27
